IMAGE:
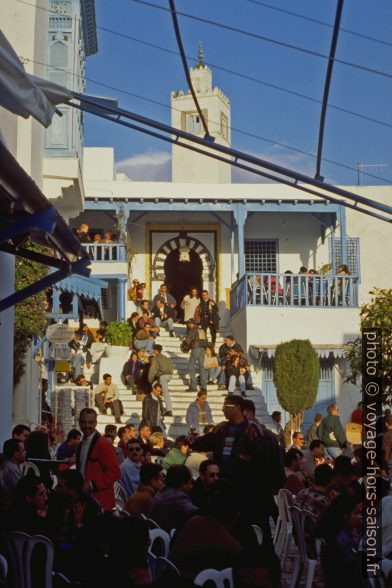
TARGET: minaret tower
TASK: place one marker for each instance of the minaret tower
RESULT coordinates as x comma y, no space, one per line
188,166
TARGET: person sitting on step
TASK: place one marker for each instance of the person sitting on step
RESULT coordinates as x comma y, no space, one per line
108,396
162,315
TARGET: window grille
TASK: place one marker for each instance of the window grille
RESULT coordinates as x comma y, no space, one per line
352,255
261,255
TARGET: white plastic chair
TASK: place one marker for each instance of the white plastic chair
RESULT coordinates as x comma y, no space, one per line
299,517
21,547
3,569
259,533
29,466
284,526
217,577
120,496
160,537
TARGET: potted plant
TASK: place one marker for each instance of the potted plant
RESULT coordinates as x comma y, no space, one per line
118,337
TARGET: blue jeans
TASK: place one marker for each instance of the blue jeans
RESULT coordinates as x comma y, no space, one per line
168,323
164,382
144,344
232,384
213,373
333,452
196,360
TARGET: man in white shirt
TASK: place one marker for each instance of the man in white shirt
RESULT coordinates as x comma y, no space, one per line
130,467
108,396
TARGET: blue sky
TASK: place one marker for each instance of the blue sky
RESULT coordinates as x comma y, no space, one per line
255,108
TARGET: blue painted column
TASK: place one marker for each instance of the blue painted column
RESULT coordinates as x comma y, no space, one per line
232,238
240,214
343,233
121,298
55,301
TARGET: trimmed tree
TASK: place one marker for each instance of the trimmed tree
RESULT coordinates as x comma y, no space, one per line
376,313
296,373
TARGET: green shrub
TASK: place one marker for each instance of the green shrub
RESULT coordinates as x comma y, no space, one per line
296,374
119,333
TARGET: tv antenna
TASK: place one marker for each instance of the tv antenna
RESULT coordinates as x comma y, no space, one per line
362,166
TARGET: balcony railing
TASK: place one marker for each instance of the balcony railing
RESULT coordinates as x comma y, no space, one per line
106,251
307,290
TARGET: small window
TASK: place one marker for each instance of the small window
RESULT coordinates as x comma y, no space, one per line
193,123
224,126
352,255
261,255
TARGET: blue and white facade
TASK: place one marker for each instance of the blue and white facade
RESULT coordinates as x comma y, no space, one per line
238,241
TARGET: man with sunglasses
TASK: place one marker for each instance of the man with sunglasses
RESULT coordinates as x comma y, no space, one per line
248,456
209,473
130,467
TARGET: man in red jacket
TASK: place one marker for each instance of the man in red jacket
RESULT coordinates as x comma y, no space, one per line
96,460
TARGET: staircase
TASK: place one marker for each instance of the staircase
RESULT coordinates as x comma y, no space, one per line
176,424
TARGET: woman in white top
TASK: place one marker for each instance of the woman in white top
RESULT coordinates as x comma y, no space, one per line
189,304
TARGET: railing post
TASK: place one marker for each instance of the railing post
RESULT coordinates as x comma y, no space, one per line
121,298
240,214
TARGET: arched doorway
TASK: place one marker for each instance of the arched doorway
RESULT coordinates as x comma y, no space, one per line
181,276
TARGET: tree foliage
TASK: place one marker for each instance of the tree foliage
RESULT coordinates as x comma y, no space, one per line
29,315
296,373
375,314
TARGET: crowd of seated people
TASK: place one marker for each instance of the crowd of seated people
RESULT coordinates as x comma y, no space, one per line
206,513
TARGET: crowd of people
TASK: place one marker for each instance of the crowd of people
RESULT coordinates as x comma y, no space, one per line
205,490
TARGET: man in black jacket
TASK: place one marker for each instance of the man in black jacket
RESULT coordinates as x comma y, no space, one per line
226,349
249,457
152,408
209,317
196,343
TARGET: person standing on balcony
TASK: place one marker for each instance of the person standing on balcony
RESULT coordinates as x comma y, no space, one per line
161,369
162,315
207,312
108,396
189,304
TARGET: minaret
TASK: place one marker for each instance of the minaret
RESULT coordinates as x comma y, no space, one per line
188,166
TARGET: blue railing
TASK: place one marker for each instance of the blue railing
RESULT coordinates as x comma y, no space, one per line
106,251
308,290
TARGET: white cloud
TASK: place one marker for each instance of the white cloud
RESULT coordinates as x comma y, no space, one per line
150,166
295,161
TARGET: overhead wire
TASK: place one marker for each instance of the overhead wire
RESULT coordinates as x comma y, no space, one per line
240,131
234,129
319,22
186,68
228,71
267,39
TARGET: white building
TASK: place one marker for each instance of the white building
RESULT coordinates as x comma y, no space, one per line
254,231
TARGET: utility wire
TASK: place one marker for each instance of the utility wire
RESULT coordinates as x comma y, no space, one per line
228,71
240,131
327,84
186,69
319,22
267,39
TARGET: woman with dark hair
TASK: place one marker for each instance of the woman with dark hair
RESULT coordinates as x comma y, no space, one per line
339,527
211,365
235,375
37,447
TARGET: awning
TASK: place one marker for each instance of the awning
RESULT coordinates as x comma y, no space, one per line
324,352
26,216
24,94
90,288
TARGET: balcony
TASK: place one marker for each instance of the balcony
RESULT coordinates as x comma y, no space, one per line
101,252
294,290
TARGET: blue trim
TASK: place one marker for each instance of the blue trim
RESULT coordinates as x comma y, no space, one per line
194,205
87,287
45,220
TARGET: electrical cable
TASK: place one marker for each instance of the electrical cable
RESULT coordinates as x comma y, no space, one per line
186,69
267,39
228,71
319,22
246,133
